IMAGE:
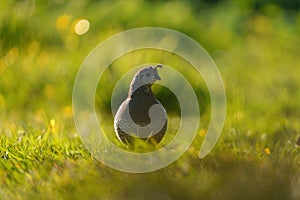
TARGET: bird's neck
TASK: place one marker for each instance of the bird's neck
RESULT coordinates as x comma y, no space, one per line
143,90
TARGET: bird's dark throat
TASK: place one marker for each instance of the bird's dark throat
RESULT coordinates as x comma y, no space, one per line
143,90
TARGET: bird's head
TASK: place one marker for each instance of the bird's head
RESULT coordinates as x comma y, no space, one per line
145,76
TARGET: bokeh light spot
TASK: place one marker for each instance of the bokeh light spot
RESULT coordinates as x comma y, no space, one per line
82,26
63,22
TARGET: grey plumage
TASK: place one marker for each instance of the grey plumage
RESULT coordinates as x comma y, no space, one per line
141,114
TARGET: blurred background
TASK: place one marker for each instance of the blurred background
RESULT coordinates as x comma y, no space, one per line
42,44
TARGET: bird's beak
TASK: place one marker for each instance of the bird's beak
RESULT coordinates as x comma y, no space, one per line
157,77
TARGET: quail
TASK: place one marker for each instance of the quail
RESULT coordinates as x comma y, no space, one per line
141,115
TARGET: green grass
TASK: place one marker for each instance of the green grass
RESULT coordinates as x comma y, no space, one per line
255,48
44,164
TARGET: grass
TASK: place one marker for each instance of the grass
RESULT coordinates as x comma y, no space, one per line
41,154
45,164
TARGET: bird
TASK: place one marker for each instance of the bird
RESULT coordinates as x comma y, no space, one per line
141,115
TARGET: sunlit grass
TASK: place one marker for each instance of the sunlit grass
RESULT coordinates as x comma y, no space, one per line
53,163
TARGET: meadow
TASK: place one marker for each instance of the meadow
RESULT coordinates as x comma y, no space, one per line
255,46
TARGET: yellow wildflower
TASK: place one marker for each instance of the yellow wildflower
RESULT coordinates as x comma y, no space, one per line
52,126
267,151
202,133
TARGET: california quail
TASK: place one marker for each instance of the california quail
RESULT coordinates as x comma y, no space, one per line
141,114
